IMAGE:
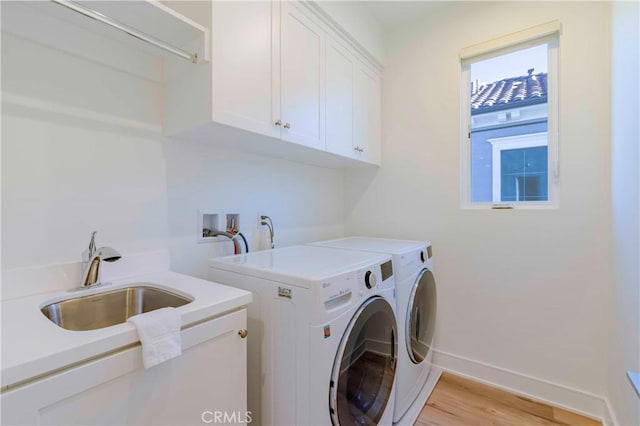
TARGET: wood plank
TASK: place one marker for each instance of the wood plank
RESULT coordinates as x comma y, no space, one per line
458,401
499,396
569,418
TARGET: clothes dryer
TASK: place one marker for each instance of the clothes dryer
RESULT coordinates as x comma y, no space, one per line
322,333
416,309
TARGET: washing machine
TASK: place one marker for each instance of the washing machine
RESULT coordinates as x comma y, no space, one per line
323,337
416,310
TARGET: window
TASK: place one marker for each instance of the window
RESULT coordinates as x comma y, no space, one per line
509,143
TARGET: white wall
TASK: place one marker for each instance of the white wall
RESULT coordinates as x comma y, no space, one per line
523,290
64,174
356,18
306,203
625,137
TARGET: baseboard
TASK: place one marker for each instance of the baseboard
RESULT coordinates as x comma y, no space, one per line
555,394
609,416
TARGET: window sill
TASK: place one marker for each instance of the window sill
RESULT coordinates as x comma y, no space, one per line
513,206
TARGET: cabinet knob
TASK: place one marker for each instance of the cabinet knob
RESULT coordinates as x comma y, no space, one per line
278,123
287,125
358,149
242,333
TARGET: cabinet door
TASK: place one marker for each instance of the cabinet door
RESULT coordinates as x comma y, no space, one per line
340,66
209,376
301,78
242,50
367,115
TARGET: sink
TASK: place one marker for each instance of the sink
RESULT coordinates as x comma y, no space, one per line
110,308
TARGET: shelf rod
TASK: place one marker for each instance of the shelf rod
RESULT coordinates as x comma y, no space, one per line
191,57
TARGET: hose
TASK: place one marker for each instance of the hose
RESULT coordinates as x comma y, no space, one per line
236,245
246,245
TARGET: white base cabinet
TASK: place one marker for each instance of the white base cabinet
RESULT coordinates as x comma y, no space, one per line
208,380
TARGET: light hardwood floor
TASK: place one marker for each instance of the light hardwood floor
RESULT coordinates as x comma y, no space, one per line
462,402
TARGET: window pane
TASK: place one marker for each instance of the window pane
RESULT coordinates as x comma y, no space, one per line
508,100
523,174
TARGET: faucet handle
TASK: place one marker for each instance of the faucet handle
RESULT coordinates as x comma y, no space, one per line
91,250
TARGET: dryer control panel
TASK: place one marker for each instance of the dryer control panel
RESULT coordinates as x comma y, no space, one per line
411,262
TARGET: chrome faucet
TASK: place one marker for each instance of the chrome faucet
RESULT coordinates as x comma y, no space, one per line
92,261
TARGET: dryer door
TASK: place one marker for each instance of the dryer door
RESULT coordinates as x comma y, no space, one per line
365,366
421,317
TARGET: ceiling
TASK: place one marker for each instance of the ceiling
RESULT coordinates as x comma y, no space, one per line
393,14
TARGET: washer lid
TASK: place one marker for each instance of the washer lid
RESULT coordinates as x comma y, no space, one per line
421,317
365,366
298,265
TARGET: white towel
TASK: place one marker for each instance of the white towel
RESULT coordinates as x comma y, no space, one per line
159,333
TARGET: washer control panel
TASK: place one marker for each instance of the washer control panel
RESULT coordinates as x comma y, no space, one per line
378,276
370,279
337,290
340,292
387,270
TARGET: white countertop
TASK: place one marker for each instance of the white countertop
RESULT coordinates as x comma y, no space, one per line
32,345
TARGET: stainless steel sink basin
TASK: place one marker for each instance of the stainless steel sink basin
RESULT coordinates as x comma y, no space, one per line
110,308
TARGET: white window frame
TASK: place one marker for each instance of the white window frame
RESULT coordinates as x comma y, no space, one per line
529,140
549,34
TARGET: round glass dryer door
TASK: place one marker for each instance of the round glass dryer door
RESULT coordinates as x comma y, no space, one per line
365,366
421,317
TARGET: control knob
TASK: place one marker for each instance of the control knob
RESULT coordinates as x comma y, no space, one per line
370,279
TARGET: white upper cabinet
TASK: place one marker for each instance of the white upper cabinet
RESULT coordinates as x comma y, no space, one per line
301,75
242,73
282,70
367,115
280,78
340,99
352,104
